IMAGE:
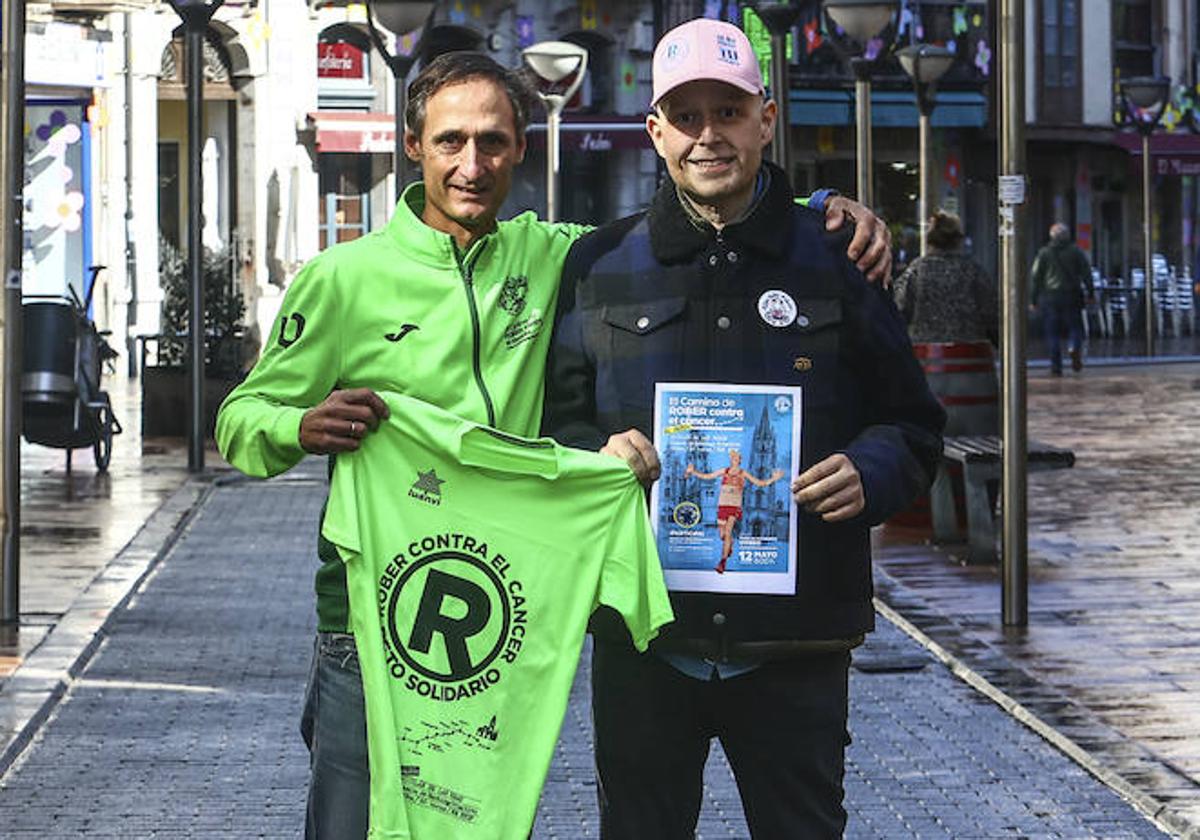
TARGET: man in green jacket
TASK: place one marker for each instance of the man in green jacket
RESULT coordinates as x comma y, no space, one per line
1062,276
447,305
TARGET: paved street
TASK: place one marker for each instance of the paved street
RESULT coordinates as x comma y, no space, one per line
1111,656
183,723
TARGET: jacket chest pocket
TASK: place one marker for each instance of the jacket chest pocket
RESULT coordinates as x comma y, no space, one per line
808,352
646,345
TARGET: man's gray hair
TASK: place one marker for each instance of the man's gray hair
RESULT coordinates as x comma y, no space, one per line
1060,232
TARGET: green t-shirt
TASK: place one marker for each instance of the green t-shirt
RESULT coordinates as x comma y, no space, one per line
474,559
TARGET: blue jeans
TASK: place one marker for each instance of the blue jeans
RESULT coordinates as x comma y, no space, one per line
334,726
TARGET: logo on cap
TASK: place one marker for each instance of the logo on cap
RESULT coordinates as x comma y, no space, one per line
675,53
727,50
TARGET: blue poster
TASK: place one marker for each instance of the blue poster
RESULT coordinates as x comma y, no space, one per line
723,514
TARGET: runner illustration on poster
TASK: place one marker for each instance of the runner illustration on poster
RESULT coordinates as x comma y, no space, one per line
729,503
723,515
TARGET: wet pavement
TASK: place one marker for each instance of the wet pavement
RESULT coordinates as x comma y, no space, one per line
155,683
1111,656
86,536
184,721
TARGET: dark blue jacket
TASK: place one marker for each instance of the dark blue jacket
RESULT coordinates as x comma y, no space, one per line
654,298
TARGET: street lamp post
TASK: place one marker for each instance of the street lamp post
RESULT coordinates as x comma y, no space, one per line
12,203
555,64
925,64
862,21
1145,98
398,18
195,14
779,18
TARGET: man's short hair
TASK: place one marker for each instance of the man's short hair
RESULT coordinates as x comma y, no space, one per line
1060,232
454,68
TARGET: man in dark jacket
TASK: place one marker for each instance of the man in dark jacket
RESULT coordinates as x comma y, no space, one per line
1062,277
726,280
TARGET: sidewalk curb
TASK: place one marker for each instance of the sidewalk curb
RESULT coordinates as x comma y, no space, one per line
37,685
1157,812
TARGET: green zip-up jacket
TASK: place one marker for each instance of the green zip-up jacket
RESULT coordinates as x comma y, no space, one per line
402,309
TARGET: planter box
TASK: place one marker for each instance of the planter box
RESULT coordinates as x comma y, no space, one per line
165,401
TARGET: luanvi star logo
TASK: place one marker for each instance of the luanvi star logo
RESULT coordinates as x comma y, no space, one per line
428,487
399,334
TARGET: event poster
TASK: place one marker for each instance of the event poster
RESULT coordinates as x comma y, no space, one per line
722,511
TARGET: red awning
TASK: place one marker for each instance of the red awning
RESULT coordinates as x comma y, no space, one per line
354,131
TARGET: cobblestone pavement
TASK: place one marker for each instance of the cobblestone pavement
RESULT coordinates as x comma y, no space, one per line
183,723
73,524
1111,656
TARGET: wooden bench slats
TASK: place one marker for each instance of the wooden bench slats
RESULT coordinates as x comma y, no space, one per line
980,457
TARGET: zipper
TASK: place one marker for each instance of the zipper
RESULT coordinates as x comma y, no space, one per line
466,272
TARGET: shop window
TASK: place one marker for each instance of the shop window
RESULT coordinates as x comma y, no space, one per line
1134,24
168,193
1058,59
596,93
345,181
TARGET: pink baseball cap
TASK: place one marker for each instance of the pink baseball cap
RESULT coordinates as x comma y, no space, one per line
705,49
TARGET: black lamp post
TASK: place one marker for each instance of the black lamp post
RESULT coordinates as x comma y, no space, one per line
862,21
779,18
398,18
925,64
195,15
1145,98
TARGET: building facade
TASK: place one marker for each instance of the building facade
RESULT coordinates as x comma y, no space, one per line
299,134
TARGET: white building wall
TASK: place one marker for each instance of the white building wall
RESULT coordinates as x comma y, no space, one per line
281,171
1031,47
1096,62
1175,41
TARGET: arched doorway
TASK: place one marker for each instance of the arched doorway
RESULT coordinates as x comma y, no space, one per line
218,146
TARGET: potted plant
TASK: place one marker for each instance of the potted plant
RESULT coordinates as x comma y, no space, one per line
165,383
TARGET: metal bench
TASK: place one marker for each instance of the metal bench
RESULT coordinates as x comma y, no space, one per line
980,459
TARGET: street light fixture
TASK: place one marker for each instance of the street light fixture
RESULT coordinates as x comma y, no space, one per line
399,18
195,15
779,18
1145,98
925,64
862,21
559,67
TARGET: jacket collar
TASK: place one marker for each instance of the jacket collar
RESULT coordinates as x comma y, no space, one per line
409,231
675,238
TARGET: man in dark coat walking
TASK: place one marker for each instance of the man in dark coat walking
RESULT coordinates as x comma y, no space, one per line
1062,277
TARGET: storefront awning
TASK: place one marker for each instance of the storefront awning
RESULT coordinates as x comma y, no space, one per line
1177,153
354,131
595,133
889,108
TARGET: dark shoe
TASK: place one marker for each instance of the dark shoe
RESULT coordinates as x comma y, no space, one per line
1076,360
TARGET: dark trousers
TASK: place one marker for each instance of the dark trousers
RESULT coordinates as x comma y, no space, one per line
1059,317
782,725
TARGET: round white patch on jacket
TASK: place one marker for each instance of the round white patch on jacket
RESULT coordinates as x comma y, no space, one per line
777,308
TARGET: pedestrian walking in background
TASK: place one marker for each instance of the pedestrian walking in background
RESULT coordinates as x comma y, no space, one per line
945,295
1062,281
